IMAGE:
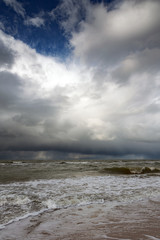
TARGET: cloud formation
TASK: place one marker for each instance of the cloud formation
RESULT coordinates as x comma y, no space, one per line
70,13
103,100
109,36
35,21
6,55
17,6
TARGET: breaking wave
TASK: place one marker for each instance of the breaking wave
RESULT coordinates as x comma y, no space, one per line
127,170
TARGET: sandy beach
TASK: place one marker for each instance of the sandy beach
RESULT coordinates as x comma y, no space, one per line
128,222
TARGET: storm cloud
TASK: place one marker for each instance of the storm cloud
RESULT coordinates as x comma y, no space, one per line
6,55
104,100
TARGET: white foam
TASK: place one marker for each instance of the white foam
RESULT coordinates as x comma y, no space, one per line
2,226
107,237
14,199
60,193
151,237
50,204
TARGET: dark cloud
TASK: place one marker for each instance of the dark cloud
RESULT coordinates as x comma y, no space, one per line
10,90
113,149
146,61
6,55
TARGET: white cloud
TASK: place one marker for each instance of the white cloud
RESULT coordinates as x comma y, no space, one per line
108,36
35,21
17,6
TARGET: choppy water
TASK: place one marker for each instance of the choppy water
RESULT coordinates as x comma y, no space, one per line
27,188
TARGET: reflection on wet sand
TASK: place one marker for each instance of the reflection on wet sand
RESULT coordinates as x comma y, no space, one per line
124,222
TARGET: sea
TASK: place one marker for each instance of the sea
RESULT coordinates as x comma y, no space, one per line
28,188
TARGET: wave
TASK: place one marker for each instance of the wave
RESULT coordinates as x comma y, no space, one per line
128,171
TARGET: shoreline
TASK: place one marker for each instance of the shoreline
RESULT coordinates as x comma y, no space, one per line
134,221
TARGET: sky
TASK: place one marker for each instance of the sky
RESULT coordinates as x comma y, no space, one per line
79,79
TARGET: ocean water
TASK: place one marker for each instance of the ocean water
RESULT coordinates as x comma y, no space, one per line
30,187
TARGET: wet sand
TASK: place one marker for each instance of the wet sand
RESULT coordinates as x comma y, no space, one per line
136,221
